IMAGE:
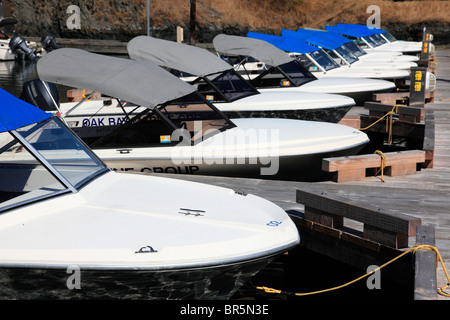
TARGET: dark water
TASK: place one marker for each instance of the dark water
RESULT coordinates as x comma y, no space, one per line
13,74
301,273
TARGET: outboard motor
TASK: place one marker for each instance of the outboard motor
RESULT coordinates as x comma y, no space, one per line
19,47
41,94
49,43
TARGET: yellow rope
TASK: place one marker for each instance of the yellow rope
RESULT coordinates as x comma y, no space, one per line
414,249
389,121
438,256
83,96
383,164
440,98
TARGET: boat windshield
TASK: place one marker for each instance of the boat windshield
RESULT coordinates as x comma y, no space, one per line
354,49
324,60
345,54
246,66
227,86
191,117
240,62
388,36
378,39
371,41
291,74
43,160
196,116
306,62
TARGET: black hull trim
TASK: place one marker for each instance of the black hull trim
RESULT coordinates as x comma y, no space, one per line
333,115
207,283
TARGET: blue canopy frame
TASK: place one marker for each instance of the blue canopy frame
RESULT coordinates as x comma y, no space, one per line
328,35
16,113
357,31
313,38
284,43
362,27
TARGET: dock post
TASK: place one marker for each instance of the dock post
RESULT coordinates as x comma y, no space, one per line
417,86
425,287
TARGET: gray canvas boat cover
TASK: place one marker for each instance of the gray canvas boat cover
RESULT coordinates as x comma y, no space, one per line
258,49
142,83
174,55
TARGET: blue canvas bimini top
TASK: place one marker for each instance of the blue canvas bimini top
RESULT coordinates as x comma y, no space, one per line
348,31
362,27
357,31
313,38
16,113
328,35
284,43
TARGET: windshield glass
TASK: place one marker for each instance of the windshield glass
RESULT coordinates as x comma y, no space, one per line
378,39
63,150
324,60
285,75
227,86
244,64
196,116
354,49
344,53
371,41
307,63
389,36
162,126
24,177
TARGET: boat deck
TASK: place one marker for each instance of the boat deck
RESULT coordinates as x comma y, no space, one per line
423,195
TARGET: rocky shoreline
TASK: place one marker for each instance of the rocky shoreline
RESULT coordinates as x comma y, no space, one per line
38,18
205,33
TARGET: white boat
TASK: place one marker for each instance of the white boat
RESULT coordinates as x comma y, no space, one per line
343,56
211,143
231,94
269,68
372,40
9,43
362,54
389,39
322,64
393,42
71,228
5,52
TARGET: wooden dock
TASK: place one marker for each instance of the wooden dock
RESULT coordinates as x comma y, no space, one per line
107,47
422,196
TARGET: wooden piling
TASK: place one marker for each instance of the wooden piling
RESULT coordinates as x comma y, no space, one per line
425,287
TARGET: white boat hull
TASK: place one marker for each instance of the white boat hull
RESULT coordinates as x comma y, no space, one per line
356,88
405,48
258,148
298,167
269,104
5,52
362,73
72,228
387,57
128,240
289,104
380,65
